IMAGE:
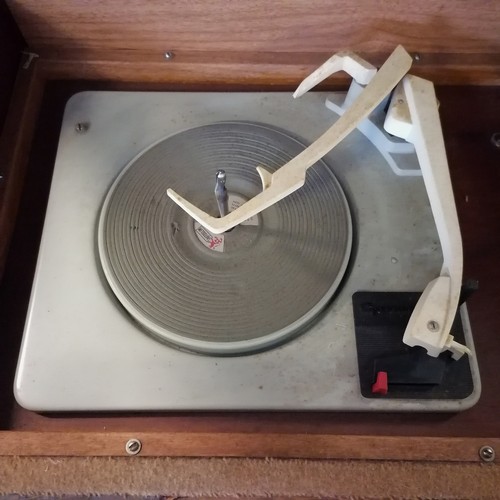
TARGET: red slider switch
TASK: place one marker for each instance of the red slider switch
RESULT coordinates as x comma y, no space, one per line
381,384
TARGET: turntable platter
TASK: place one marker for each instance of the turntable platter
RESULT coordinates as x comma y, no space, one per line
239,292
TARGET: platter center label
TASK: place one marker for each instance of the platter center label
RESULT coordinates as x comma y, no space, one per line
215,242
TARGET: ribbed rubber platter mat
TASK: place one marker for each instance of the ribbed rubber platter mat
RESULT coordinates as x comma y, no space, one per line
239,292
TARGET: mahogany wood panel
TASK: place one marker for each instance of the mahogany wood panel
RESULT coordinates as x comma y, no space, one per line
468,26
14,148
457,41
11,44
255,73
180,444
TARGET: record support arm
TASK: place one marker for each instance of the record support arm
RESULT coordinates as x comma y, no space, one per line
359,69
292,175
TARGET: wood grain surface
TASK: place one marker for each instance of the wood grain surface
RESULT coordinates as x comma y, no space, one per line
280,26
230,444
456,42
14,149
11,45
243,46
14,91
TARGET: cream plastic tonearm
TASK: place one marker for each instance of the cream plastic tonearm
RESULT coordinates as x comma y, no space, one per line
292,175
413,116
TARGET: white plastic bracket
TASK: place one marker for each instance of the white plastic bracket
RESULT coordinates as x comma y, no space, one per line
413,116
399,154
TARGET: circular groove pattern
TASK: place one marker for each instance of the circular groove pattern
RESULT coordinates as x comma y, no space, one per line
271,280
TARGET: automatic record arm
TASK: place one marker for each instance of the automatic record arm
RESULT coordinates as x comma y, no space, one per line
291,176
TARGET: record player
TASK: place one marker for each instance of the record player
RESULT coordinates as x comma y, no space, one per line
189,262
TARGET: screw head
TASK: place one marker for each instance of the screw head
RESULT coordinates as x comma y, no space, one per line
495,139
133,446
169,55
82,127
433,326
487,453
416,57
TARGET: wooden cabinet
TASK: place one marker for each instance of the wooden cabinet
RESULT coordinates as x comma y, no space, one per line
245,45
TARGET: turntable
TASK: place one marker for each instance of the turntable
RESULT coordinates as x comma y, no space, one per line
206,251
